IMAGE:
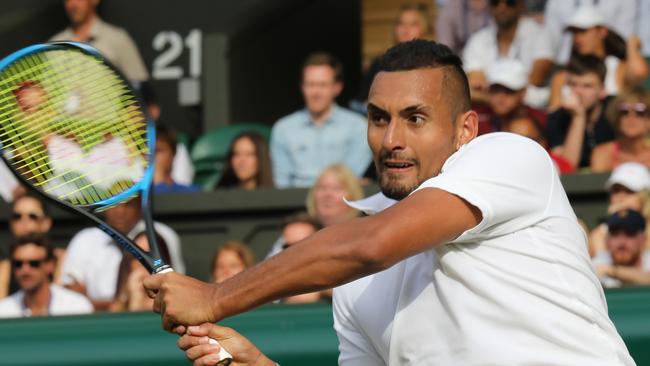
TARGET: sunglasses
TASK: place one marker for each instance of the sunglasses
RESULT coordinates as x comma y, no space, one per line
639,109
16,216
510,3
34,263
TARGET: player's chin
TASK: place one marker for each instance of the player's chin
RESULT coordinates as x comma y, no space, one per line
396,186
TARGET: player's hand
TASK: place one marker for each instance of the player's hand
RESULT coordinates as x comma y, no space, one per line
181,299
199,350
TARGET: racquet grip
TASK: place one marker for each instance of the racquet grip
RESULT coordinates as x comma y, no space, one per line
225,358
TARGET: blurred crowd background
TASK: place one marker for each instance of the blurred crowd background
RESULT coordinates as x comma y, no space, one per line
254,99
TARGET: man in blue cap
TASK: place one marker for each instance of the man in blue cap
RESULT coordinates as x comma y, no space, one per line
625,261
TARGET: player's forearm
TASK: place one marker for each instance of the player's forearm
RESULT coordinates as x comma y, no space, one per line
328,258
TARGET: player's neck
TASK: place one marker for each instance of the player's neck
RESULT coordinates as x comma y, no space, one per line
38,299
82,31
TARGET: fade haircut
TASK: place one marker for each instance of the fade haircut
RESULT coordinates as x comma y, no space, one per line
422,54
587,64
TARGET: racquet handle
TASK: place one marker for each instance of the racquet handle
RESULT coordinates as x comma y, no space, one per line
225,358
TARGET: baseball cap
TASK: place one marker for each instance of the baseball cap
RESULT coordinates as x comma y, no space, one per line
508,72
630,221
633,176
585,17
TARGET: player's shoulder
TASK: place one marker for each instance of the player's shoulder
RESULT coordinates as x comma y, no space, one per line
505,143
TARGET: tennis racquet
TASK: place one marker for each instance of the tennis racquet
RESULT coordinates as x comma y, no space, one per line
73,130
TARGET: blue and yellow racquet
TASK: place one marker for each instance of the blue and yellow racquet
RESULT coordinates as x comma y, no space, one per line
73,130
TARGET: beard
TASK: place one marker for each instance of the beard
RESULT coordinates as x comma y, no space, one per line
394,185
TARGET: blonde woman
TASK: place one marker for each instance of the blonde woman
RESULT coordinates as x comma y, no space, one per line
231,258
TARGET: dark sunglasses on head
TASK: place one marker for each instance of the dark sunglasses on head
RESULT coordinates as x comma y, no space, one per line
639,109
15,216
510,3
35,263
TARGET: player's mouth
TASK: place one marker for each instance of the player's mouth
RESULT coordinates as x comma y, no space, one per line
397,166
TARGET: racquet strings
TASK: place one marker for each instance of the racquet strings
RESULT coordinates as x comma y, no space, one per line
71,126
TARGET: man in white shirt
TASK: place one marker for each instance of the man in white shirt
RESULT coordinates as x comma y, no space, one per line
32,260
92,258
481,262
515,37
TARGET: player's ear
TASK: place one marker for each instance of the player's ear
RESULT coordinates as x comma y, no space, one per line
466,128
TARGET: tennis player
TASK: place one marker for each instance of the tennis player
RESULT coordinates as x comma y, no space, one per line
474,255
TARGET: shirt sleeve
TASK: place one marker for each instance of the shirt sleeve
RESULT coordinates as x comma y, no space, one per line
354,347
130,61
473,53
359,155
280,158
509,178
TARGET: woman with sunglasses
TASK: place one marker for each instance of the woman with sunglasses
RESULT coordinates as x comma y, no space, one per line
630,117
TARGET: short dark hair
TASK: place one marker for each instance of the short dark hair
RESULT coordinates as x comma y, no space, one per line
423,54
167,135
325,59
35,197
587,64
38,239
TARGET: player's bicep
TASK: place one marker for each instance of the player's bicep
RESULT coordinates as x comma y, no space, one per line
425,219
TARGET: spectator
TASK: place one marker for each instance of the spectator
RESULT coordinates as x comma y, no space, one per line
32,260
231,258
248,164
458,20
629,189
182,168
29,216
620,18
307,141
165,153
625,261
130,295
92,261
531,128
326,199
113,42
631,119
510,36
296,228
580,124
412,22
626,67
507,79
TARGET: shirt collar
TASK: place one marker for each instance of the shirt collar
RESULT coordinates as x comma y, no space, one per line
373,204
331,119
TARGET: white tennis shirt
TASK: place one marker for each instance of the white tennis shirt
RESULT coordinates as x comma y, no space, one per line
517,289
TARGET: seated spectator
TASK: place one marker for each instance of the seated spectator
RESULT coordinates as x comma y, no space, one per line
29,216
296,228
32,260
248,164
626,261
581,123
531,128
557,13
182,167
412,22
510,36
458,20
508,80
113,42
626,67
130,295
307,141
92,260
631,119
165,152
629,189
231,258
326,199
